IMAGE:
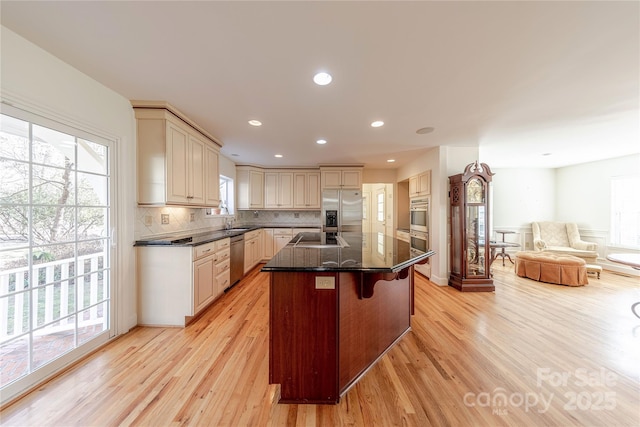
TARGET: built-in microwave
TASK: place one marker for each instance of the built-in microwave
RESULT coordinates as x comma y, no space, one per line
419,214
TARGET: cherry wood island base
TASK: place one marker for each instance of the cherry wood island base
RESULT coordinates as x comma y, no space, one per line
322,340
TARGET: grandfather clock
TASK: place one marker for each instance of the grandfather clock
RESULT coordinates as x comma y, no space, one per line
470,256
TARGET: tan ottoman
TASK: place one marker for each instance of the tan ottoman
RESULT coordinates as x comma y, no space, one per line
551,268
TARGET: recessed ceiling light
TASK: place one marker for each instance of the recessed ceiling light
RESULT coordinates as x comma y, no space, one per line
422,131
278,156
391,160
255,122
377,124
322,79
321,141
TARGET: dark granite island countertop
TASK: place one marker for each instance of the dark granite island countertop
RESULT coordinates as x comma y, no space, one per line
365,252
337,304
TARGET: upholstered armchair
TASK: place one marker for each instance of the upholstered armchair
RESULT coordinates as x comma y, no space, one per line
562,238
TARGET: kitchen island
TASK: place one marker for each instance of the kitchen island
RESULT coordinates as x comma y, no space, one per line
338,303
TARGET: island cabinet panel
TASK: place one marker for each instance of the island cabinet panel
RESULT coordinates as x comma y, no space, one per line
370,326
303,352
325,335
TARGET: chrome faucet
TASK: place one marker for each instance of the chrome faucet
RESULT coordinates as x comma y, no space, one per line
228,223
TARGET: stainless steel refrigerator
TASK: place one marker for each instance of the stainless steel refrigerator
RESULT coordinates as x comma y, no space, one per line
342,210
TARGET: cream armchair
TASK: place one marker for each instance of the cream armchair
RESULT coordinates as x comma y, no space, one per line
562,238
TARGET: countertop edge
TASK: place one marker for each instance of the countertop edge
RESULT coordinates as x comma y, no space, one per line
160,241
393,269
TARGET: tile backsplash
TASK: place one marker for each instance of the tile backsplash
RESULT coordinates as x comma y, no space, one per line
293,218
149,220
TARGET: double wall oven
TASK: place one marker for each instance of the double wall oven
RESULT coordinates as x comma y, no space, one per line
419,224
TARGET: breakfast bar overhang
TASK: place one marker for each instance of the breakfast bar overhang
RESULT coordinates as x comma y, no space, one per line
335,309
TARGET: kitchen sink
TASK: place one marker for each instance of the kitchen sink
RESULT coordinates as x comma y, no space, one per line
239,229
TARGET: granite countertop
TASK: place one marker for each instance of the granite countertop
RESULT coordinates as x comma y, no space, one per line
195,238
367,252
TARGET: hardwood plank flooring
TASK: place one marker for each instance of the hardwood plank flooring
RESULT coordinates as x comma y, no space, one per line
529,354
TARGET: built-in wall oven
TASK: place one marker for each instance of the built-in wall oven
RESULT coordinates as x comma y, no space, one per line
420,244
419,215
419,241
419,231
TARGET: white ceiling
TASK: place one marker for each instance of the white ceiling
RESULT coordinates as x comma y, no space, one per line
517,79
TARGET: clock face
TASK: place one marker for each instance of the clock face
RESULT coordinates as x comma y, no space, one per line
475,193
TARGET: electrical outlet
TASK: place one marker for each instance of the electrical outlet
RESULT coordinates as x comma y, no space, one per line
164,218
192,217
148,220
296,215
325,282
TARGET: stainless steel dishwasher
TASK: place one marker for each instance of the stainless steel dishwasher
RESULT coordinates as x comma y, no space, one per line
237,258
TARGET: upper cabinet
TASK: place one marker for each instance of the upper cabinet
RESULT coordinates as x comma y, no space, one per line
260,188
341,177
211,175
306,190
420,185
278,190
177,161
250,185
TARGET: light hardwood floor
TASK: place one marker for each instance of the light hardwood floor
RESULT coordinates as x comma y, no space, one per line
530,354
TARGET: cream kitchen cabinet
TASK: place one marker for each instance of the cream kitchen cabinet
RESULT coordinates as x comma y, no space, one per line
306,190
275,239
333,177
204,278
223,265
211,176
252,249
281,236
177,161
420,185
268,244
175,283
278,190
250,184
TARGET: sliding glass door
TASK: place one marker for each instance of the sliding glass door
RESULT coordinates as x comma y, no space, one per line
55,246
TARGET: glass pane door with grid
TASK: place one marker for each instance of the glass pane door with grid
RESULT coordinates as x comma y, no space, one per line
55,249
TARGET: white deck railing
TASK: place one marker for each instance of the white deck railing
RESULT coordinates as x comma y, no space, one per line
53,300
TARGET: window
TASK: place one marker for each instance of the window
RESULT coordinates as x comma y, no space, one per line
226,195
625,212
55,246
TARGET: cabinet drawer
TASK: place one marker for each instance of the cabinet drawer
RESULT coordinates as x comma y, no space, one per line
223,280
251,235
305,230
223,266
282,232
204,250
223,243
223,255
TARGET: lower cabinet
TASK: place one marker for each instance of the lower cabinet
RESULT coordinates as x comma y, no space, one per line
204,282
252,249
267,244
175,283
277,238
281,236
